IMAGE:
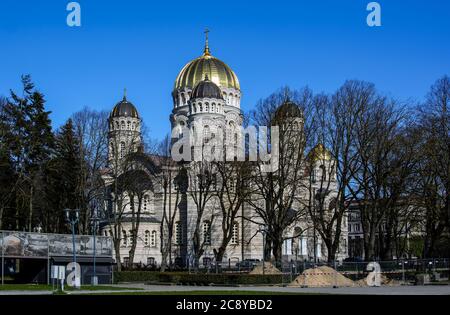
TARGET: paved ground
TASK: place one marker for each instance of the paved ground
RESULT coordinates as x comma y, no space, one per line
404,290
399,290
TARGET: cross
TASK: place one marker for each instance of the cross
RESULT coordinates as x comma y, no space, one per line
206,35
206,42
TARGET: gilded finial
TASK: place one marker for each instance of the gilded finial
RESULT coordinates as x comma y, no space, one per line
206,51
206,77
125,94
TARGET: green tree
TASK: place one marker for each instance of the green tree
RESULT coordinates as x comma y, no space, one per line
28,142
63,178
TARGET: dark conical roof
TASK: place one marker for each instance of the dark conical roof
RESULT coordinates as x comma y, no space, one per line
124,109
206,89
288,109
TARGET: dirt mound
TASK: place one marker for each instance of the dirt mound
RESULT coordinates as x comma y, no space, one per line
323,276
384,281
269,269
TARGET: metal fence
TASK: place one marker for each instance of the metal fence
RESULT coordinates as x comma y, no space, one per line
339,274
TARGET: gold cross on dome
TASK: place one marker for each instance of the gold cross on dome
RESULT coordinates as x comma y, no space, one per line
206,41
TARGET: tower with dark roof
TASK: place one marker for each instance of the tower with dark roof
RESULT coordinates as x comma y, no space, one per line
124,135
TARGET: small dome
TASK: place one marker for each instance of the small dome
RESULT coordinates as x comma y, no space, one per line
124,109
319,153
206,89
287,110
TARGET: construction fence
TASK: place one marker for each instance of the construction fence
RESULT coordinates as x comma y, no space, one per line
341,274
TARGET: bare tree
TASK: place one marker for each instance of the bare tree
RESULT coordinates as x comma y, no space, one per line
434,169
117,183
139,182
172,179
334,162
378,129
202,181
281,188
233,190
91,128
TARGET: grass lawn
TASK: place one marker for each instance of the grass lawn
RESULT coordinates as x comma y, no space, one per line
45,287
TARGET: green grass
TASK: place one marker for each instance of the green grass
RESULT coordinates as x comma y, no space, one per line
45,287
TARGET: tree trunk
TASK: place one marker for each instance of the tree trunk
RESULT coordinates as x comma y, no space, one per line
331,251
163,248
30,213
220,253
277,246
267,253
2,208
117,254
136,228
277,250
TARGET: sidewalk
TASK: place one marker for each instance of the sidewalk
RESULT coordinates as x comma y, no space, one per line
143,288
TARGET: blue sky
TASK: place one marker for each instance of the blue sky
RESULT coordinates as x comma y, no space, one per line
141,45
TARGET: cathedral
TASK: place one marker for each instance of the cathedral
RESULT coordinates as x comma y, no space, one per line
206,93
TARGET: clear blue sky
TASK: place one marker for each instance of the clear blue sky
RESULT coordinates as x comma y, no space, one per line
143,44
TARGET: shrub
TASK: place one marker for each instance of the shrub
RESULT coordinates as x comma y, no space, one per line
195,278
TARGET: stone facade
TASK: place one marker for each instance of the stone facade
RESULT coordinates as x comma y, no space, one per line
196,102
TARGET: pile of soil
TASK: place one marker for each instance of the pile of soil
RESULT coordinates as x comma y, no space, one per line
323,276
384,281
269,269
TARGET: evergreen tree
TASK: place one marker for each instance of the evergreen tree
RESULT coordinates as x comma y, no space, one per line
28,142
63,178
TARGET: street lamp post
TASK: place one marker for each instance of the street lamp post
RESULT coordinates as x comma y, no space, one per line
263,232
94,220
314,227
72,220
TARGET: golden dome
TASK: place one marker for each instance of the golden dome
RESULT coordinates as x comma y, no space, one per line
217,71
319,153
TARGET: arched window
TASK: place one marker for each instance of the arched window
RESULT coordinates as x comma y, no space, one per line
213,107
147,238
122,125
206,107
313,175
124,238
122,149
235,234
146,203
130,237
134,125
207,232
200,107
128,125
323,172
153,239
206,133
